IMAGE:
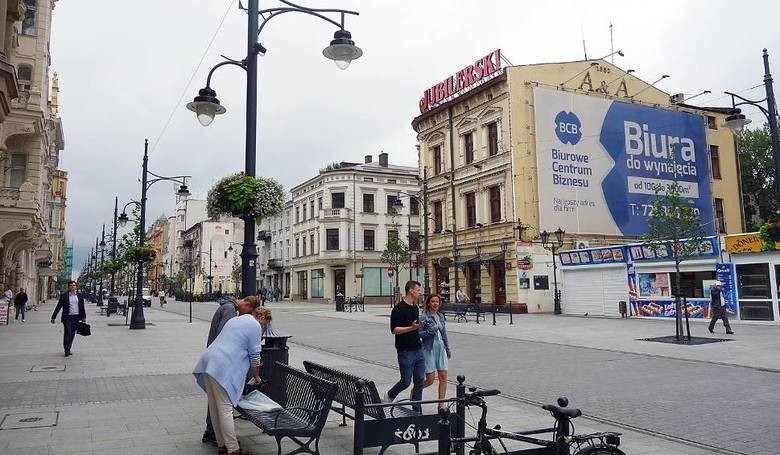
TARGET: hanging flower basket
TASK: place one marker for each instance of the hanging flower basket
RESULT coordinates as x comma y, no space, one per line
110,267
768,234
140,254
242,196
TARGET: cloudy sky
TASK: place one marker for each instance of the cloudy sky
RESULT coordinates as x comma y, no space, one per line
127,71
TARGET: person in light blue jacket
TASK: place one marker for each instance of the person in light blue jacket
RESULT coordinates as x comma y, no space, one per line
221,372
435,345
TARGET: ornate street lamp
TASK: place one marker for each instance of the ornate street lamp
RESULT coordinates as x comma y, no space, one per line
545,237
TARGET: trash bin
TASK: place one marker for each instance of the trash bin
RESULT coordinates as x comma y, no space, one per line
113,305
274,350
622,309
339,302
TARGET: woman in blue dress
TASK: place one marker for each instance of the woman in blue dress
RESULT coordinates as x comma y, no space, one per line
435,346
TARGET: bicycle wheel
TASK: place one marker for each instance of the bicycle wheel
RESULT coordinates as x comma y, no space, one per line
600,450
485,448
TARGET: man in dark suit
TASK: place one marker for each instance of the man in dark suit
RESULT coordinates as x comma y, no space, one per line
72,305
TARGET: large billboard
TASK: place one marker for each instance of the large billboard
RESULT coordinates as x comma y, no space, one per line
601,163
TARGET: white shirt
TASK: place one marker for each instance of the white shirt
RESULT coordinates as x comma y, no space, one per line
73,308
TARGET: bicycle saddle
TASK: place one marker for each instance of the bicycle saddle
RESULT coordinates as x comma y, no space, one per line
562,410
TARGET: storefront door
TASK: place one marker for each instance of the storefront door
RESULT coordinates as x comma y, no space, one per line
499,283
303,285
474,283
755,292
339,282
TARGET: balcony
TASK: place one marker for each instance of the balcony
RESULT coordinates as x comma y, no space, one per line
9,196
276,263
335,214
264,236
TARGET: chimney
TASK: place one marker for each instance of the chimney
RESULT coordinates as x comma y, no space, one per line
383,159
369,158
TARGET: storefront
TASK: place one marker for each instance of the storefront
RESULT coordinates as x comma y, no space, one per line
757,275
596,280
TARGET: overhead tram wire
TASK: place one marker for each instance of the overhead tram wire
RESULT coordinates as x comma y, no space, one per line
189,82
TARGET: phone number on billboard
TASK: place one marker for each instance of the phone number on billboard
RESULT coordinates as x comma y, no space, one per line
647,209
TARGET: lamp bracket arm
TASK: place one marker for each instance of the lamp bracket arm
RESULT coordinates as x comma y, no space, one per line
228,61
131,202
293,8
176,178
744,101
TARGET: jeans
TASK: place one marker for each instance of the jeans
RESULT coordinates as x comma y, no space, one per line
411,365
20,311
70,323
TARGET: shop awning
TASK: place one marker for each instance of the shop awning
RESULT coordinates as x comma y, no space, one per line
499,257
474,260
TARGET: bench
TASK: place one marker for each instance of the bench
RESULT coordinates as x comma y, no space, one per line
305,400
458,309
387,419
355,303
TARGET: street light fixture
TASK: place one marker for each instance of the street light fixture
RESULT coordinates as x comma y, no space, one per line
735,121
545,237
342,51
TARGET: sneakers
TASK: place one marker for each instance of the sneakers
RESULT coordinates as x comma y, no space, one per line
208,438
729,332
711,331
386,398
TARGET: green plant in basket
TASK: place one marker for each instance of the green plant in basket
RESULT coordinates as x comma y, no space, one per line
243,196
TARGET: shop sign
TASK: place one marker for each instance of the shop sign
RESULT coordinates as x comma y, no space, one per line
602,163
607,255
642,252
4,309
525,255
745,243
480,72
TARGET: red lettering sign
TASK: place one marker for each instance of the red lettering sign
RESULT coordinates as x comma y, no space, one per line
453,85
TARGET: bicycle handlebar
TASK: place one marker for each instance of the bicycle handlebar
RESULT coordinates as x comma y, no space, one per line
483,393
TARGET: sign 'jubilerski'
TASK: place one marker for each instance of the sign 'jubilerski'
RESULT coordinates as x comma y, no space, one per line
480,71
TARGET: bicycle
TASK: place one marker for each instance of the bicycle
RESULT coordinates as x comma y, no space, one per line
563,441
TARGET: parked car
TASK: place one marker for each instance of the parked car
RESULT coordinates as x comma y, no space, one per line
146,295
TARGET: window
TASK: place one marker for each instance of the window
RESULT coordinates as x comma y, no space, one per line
28,24
414,241
368,240
18,170
712,123
311,204
225,254
392,181
437,217
437,160
468,146
304,211
319,203
303,241
332,239
368,179
715,161
492,138
297,214
495,204
391,198
368,203
317,283
755,292
24,75
311,243
719,216
337,200
297,247
471,209
227,231
414,205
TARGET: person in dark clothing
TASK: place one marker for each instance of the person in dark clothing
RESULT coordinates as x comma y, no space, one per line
72,305
405,325
20,302
718,308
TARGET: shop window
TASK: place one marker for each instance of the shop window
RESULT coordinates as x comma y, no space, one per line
437,160
755,293
492,138
654,285
471,209
302,278
318,283
495,204
720,217
692,284
368,203
715,161
332,236
28,23
24,76
337,200
468,147
438,221
375,282
368,240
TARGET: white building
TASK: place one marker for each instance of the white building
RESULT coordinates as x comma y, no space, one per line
188,213
341,220
274,253
214,262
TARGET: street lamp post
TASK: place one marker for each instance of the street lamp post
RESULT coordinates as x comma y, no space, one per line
211,261
341,50
545,236
399,205
113,247
102,245
137,321
735,121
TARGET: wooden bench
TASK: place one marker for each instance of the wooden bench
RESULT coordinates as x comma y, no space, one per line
305,400
461,311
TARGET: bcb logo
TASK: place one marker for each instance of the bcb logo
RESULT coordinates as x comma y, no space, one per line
568,127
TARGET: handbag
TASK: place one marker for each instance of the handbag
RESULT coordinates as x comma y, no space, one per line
83,329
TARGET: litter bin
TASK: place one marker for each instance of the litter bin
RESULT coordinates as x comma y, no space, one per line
274,350
339,302
622,309
113,305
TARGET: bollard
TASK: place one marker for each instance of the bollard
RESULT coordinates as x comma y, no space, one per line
511,322
357,448
476,311
460,412
444,431
494,313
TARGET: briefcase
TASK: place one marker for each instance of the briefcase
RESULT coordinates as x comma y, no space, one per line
83,329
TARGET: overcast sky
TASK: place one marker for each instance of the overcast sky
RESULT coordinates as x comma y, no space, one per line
124,68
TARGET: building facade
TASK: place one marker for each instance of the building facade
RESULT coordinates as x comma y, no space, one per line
213,257
341,220
510,152
32,193
275,252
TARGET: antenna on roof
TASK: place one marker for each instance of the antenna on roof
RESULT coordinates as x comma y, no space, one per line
584,50
611,44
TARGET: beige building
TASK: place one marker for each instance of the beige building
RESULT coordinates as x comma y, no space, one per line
32,198
487,140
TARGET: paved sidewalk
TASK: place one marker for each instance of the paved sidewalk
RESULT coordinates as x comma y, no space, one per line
129,391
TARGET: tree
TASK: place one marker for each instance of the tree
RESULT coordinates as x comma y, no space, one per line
674,227
396,253
757,173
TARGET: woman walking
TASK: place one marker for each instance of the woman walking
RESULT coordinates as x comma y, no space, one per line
435,346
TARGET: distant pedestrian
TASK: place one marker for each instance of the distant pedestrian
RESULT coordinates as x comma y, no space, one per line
221,372
277,294
8,294
461,297
435,345
263,295
20,302
71,303
718,308
405,325
228,309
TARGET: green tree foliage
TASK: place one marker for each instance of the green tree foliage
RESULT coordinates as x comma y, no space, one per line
757,173
396,253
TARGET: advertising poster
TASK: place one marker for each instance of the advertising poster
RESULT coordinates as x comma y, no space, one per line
601,163
525,254
697,308
724,272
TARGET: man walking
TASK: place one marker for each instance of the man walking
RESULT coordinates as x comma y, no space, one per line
72,304
404,324
20,302
718,308
229,308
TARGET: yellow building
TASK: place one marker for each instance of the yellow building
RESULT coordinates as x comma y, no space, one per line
513,151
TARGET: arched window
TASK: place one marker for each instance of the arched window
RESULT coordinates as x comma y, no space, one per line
28,24
24,75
